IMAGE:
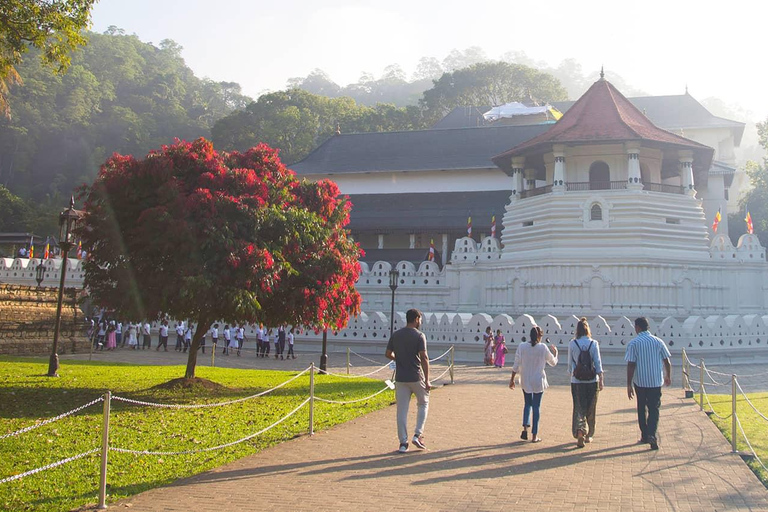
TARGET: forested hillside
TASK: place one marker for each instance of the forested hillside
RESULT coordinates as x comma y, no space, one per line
120,94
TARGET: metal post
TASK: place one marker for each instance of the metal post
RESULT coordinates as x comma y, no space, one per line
324,354
682,368
701,384
733,415
347,360
213,355
392,315
312,399
104,453
53,360
450,368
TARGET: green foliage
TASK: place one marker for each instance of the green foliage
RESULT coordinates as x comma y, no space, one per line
755,199
297,121
36,397
489,83
13,212
53,28
120,95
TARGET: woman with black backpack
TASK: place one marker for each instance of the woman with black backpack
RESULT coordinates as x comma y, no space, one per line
586,369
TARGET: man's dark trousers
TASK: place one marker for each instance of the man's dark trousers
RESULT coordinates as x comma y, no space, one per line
648,404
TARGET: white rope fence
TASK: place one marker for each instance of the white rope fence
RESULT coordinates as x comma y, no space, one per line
51,420
704,373
49,466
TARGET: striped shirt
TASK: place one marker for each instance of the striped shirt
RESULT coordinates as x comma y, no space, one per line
648,352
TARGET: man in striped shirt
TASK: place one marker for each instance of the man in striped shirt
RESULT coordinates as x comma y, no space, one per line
645,357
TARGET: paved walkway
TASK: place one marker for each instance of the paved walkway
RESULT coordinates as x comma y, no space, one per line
475,460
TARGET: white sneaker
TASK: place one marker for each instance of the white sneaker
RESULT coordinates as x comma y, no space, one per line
403,448
418,441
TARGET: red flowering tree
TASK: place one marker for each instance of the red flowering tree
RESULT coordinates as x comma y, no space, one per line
203,235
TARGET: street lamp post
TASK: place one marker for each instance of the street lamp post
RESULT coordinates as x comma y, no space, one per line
324,355
40,273
68,220
394,276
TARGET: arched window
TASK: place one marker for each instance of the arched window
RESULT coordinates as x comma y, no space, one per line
596,212
599,176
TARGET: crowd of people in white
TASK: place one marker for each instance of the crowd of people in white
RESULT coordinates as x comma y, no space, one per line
110,334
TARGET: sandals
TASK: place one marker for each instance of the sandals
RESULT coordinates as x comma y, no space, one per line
524,435
536,440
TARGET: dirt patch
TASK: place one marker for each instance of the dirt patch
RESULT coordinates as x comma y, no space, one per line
191,384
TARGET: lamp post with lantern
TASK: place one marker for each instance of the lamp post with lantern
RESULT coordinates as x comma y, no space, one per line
40,273
394,277
68,220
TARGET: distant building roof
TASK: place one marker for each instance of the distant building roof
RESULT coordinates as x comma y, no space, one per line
446,212
675,112
421,150
395,256
603,115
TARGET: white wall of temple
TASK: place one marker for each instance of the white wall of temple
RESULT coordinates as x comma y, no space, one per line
738,338
23,271
459,180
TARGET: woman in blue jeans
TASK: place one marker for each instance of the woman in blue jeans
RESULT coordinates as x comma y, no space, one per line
530,360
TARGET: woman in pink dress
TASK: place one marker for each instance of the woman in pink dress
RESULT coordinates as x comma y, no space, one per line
111,336
500,349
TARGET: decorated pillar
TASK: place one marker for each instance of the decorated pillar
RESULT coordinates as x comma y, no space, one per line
518,166
381,241
558,181
635,180
412,241
444,253
529,179
685,164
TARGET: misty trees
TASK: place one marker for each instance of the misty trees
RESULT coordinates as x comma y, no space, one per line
490,83
756,199
204,235
54,28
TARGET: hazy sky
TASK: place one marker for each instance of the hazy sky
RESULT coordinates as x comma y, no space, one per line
717,49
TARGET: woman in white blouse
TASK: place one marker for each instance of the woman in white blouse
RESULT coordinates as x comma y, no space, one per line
530,360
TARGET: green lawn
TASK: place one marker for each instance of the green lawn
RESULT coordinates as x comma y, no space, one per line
754,426
27,396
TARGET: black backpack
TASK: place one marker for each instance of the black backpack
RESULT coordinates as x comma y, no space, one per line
585,368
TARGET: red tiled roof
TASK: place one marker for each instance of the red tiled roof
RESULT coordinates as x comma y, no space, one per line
603,114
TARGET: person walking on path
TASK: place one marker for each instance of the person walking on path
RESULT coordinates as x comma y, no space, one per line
240,335
227,340
133,340
162,333
586,369
646,354
179,336
111,336
145,330
488,348
530,361
281,339
214,337
119,334
290,338
500,349
408,348
188,336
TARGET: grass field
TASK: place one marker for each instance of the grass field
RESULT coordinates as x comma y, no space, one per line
27,396
755,427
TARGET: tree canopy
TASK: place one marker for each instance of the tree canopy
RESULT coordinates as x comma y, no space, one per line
203,235
52,27
756,199
119,95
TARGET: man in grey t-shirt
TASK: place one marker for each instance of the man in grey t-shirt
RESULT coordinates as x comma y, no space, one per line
408,348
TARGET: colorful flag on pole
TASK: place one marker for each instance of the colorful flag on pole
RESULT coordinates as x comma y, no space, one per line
31,249
47,253
750,227
431,256
716,222
469,226
493,227
80,249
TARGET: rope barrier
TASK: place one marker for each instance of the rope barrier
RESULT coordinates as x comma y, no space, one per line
441,375
714,382
199,406
326,372
746,440
750,402
712,409
51,420
49,466
441,355
363,357
326,400
213,448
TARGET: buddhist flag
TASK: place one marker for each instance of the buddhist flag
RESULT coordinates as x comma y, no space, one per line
716,222
431,256
748,220
493,227
80,249
469,226
47,253
31,249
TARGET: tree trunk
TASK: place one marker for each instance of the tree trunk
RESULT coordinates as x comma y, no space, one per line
203,325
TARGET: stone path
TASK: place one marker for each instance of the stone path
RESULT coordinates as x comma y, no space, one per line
476,461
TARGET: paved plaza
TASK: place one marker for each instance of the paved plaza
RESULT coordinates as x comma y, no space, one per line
475,459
